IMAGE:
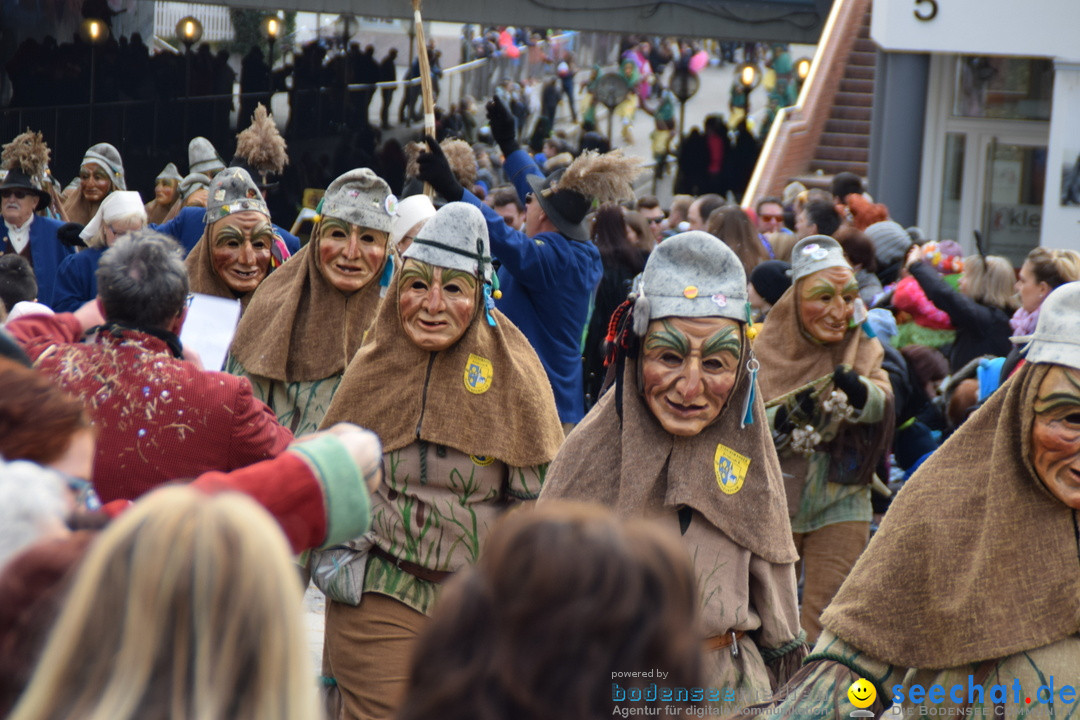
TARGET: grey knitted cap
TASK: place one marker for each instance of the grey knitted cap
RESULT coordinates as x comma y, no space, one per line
1056,338
231,191
814,253
170,173
202,157
192,183
362,198
692,274
455,237
107,157
891,241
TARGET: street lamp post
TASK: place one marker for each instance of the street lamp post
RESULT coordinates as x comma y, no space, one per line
94,32
190,31
272,29
748,77
802,70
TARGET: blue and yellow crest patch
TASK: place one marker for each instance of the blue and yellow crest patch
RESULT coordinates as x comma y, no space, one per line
478,372
730,468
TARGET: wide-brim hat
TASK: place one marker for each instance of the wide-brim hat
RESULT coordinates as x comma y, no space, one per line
18,180
565,208
1056,338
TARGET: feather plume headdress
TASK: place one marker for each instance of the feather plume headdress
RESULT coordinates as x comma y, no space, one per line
261,145
28,154
458,153
607,177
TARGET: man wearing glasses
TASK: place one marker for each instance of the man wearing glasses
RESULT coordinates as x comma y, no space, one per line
30,235
650,209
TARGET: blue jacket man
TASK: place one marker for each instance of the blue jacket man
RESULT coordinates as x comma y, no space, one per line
548,272
32,236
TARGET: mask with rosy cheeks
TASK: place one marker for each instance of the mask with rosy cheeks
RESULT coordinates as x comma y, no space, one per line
826,302
240,247
436,305
689,367
94,183
1055,434
165,192
350,256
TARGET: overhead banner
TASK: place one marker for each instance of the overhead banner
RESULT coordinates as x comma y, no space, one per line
1036,28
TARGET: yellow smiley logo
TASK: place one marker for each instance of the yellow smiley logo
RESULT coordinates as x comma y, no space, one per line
862,693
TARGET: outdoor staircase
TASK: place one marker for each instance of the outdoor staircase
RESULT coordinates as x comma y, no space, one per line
828,130
845,143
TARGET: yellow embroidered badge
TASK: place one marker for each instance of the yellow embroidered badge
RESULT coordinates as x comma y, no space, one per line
478,372
730,468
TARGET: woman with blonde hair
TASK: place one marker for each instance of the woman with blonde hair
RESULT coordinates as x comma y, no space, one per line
119,213
1043,270
980,311
162,623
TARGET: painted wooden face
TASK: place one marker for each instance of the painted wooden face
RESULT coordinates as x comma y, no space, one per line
435,304
689,368
350,256
827,303
240,248
94,182
1055,434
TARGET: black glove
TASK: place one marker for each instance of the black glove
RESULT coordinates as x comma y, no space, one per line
848,381
68,233
435,170
502,126
782,421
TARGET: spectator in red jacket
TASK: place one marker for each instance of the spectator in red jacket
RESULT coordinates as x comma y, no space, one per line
157,413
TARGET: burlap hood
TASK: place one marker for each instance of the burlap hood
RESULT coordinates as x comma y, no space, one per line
404,393
975,559
634,466
298,327
204,279
790,358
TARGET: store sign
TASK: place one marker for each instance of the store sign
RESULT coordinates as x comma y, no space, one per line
1037,28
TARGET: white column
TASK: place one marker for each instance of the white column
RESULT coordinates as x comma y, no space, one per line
1061,224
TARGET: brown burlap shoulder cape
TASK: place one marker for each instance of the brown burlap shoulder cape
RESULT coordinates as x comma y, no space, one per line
300,328
975,559
202,277
790,359
636,467
404,393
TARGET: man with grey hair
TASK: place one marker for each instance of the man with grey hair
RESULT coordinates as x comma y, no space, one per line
159,416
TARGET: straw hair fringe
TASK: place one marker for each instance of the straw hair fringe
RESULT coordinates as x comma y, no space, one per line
261,143
27,153
605,178
462,160
459,154
160,623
